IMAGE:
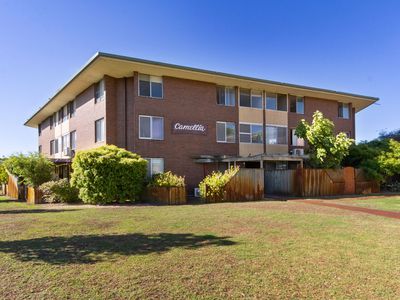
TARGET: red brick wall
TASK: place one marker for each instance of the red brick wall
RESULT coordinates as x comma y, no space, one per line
330,110
184,100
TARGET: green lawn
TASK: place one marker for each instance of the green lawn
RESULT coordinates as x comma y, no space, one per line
263,250
390,203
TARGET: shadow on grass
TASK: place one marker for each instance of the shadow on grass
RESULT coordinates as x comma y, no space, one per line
33,211
86,249
11,201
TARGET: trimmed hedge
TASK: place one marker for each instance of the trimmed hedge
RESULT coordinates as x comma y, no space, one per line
167,179
212,186
108,174
59,191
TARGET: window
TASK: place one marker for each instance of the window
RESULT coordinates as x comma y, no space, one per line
99,130
251,133
60,115
226,132
51,122
40,129
296,104
55,119
150,86
99,92
249,98
296,141
52,147
276,102
155,166
151,127
226,96
344,110
72,140
57,145
65,144
271,101
276,135
65,113
72,109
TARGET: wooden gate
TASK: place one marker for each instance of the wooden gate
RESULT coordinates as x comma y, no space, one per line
280,182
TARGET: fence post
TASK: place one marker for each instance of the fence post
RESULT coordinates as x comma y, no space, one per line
299,182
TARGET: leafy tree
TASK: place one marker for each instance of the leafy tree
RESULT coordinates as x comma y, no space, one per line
3,174
108,174
326,150
389,160
32,169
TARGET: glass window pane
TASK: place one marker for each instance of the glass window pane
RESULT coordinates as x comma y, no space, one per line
271,102
346,111
300,105
245,138
245,98
144,125
157,166
230,97
272,135
148,167
99,130
156,89
73,140
221,132
282,102
292,101
144,85
256,99
221,95
256,134
230,132
282,140
244,128
157,128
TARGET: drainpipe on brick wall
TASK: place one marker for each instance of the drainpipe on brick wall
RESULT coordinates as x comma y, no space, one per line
126,114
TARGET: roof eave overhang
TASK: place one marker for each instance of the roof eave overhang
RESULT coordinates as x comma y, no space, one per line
122,66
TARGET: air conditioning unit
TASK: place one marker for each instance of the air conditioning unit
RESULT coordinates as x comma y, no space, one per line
197,192
298,152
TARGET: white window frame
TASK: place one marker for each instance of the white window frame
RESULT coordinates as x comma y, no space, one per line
251,98
150,77
348,110
216,132
251,133
294,136
226,88
275,125
102,97
151,128
103,136
268,95
150,164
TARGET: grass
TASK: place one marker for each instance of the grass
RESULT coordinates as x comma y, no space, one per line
232,250
382,203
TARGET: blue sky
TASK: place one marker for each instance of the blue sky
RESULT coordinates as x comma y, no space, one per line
350,46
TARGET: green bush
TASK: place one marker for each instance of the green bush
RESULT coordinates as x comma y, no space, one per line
213,185
3,174
59,191
167,179
32,169
108,174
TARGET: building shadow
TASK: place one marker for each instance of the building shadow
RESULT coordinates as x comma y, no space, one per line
33,211
88,249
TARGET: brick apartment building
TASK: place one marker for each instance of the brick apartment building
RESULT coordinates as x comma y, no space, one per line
186,120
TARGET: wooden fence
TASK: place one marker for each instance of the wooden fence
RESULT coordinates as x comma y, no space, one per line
318,182
246,185
165,195
13,189
33,196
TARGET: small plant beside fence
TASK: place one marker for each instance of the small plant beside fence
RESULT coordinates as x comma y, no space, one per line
166,188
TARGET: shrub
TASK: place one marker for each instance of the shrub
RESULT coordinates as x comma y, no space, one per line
3,174
167,179
32,169
108,174
212,186
59,191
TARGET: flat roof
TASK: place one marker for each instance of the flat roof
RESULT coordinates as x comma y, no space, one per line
119,66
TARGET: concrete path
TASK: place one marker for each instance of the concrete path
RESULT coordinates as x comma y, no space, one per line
371,211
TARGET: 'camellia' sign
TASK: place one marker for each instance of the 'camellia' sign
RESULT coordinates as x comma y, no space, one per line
189,128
